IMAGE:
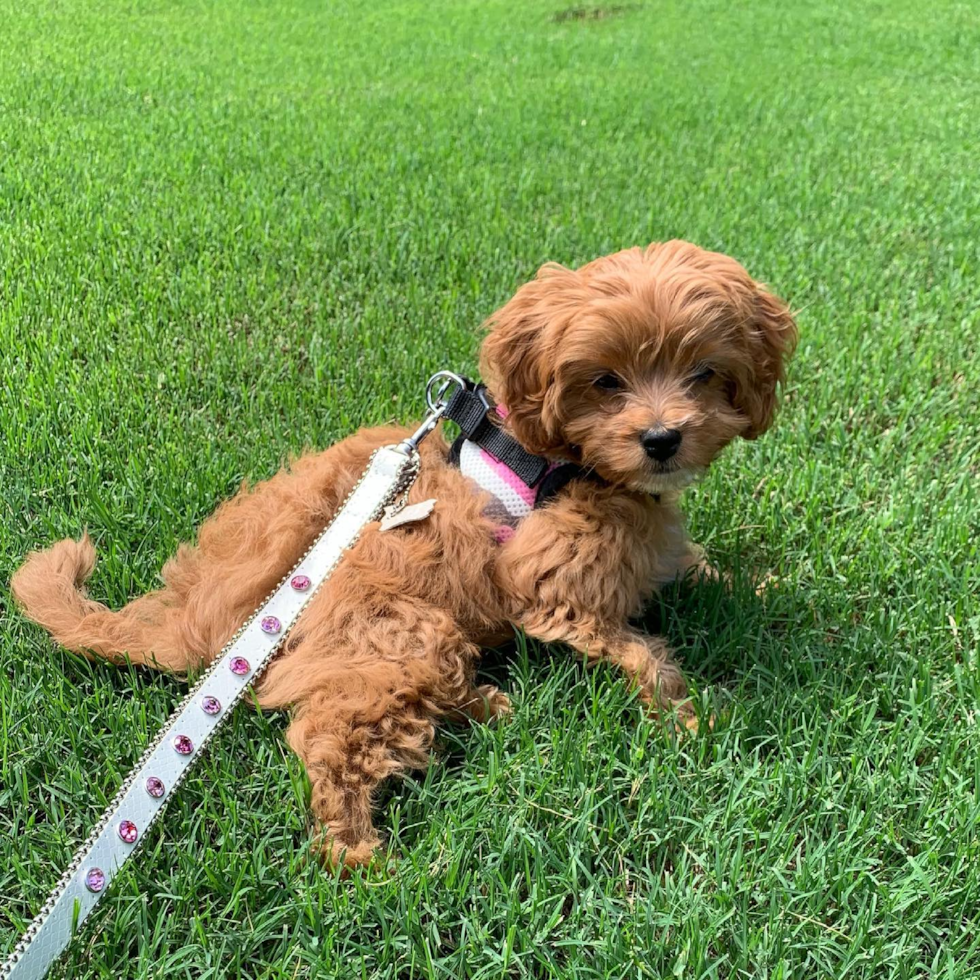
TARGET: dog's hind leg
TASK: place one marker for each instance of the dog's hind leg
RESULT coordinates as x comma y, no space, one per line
368,681
349,745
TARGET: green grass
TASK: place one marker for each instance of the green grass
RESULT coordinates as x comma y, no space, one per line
232,230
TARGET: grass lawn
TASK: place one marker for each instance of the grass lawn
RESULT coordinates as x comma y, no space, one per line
232,230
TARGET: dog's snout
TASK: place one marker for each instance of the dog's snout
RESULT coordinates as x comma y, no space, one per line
660,444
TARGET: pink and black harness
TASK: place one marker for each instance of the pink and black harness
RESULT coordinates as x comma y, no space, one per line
516,480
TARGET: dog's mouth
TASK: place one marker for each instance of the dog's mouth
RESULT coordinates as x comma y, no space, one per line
664,477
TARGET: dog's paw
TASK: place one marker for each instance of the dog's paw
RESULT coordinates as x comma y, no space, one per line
680,718
336,854
485,704
497,703
705,572
692,725
765,583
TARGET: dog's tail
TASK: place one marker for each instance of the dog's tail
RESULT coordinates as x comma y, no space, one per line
48,587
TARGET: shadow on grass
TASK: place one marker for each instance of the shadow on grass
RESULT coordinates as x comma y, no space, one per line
718,631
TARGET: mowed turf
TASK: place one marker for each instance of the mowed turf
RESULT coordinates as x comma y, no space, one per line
230,231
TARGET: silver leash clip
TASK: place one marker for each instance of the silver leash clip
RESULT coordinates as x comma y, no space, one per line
438,393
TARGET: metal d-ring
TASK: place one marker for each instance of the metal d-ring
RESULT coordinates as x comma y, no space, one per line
435,393
436,390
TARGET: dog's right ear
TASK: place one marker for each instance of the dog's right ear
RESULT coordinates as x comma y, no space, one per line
519,353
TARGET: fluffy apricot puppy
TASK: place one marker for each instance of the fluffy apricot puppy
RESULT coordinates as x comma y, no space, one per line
640,367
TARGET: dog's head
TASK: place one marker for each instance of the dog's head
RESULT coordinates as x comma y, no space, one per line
643,364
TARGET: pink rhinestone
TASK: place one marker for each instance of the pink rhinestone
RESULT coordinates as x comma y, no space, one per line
238,665
271,625
210,705
95,879
300,582
155,787
183,745
127,831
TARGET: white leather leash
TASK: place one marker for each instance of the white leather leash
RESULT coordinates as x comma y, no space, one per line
177,745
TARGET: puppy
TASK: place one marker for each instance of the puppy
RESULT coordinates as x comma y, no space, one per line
640,367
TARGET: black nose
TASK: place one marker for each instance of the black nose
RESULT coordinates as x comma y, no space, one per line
661,444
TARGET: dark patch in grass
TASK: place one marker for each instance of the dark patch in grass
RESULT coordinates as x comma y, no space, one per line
593,13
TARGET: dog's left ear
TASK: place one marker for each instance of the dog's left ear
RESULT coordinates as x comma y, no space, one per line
772,338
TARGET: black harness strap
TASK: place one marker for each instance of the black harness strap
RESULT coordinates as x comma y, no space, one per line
556,481
470,409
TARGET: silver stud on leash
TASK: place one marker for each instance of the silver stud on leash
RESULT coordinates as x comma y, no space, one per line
141,798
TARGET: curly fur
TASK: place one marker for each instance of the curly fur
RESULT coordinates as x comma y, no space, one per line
390,645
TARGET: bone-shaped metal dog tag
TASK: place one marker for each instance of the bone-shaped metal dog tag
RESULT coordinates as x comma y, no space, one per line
407,515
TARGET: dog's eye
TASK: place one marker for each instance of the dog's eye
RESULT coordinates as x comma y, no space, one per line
608,382
704,373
